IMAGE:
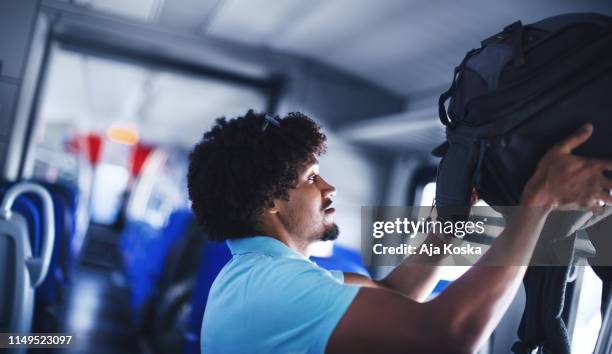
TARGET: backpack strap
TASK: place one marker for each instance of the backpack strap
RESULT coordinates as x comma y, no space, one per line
458,172
476,175
444,97
444,118
516,29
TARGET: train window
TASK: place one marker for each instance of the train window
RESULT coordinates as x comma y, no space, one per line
426,195
422,186
588,317
52,161
141,10
110,180
160,188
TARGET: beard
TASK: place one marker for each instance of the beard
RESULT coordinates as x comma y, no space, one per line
330,233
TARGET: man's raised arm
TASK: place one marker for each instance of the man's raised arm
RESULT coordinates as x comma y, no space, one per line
462,317
415,277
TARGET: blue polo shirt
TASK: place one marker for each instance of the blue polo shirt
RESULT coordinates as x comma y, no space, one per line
271,299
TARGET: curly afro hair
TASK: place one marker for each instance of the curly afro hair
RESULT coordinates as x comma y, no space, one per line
241,165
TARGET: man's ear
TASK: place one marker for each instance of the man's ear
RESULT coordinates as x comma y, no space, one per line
272,208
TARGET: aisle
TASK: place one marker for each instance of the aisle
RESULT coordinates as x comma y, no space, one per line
97,307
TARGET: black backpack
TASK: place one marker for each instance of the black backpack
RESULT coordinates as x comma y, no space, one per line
522,91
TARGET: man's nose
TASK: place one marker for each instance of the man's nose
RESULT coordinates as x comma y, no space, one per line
327,189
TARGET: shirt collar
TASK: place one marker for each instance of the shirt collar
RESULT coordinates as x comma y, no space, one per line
264,245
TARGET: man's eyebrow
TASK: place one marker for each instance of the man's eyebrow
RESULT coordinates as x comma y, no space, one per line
308,168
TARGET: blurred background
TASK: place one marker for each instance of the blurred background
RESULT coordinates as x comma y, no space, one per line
102,100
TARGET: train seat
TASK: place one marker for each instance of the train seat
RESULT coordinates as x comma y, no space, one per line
144,250
22,269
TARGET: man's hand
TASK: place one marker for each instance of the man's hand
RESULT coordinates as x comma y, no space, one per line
566,181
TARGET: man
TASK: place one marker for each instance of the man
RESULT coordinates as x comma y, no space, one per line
255,182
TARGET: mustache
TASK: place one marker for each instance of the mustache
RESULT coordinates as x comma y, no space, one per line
327,203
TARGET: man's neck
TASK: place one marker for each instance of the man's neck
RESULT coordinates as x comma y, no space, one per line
274,228
300,246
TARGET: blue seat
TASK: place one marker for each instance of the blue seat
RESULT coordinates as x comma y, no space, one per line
343,259
135,241
442,284
214,258
29,208
67,197
49,295
145,250
34,206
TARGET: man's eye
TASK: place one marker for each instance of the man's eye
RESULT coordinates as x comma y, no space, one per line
312,178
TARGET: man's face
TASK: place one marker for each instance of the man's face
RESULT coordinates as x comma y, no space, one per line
308,212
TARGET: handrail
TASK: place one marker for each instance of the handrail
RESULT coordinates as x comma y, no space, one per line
38,267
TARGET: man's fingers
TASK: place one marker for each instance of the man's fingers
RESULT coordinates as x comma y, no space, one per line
577,138
603,197
606,183
598,209
603,164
